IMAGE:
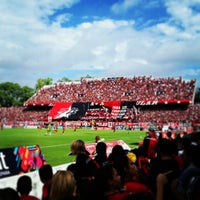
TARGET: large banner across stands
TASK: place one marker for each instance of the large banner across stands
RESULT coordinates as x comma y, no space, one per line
68,110
75,111
91,147
20,159
115,109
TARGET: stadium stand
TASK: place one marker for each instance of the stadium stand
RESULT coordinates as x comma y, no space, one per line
116,89
141,101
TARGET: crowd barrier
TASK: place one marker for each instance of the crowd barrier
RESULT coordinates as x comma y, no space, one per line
36,183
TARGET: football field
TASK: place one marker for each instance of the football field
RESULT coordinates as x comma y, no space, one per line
56,147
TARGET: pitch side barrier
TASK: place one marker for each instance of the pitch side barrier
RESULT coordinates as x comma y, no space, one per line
105,125
17,161
36,183
21,160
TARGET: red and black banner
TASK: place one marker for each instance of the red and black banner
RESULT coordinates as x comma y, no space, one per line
68,110
113,109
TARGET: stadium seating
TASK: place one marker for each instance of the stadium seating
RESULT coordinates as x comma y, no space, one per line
116,89
120,99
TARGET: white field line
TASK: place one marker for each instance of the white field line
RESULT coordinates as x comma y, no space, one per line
59,145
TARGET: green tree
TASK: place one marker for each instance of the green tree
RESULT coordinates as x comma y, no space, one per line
42,82
11,94
87,76
26,93
64,79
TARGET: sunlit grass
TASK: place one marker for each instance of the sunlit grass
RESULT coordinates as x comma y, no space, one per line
57,146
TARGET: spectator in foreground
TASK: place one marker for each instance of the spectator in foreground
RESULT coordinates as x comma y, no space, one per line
188,183
46,174
85,169
24,187
9,194
85,165
63,186
128,171
163,163
108,184
150,143
101,157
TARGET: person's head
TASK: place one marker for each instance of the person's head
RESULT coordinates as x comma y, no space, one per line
24,184
169,134
9,194
125,168
101,148
97,138
45,173
63,185
191,154
77,147
165,147
151,133
117,151
107,179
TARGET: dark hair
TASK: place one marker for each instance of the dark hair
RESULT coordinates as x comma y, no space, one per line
9,194
117,151
24,184
101,147
46,172
169,134
102,176
166,146
192,151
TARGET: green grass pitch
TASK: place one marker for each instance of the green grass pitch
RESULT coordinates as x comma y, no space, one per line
57,146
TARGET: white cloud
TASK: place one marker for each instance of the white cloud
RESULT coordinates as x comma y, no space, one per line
121,7
30,47
183,14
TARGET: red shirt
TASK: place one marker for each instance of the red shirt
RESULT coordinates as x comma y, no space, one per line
28,197
118,196
136,187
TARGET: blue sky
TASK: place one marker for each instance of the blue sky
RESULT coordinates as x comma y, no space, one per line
102,38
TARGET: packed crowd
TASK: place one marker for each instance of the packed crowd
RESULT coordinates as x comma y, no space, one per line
111,89
160,169
18,115
117,89
191,114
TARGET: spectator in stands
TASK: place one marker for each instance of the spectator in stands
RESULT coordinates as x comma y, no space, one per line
85,168
188,183
77,147
63,186
9,194
143,164
101,156
129,178
150,144
117,151
164,162
119,89
24,187
108,184
161,181
196,137
169,135
46,174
